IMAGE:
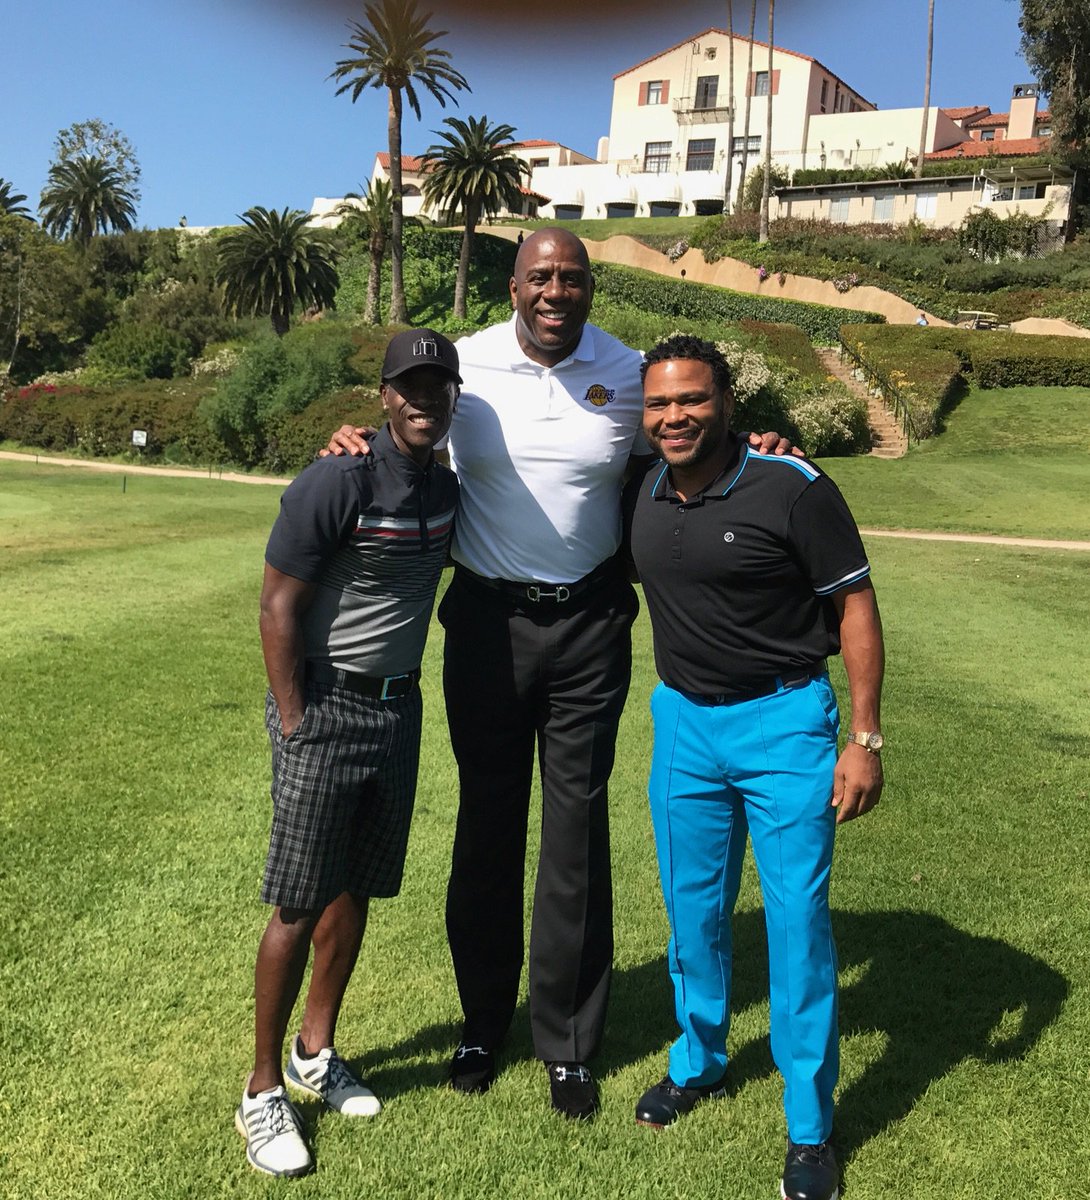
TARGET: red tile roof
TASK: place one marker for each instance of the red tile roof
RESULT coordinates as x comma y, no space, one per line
972,110
409,162
990,121
1007,148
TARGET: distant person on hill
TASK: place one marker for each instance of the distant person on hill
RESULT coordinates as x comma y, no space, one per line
351,571
922,319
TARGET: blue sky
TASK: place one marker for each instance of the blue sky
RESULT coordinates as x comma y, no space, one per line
228,104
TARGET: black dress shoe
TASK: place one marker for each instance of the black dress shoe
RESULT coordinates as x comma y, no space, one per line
810,1173
572,1090
665,1102
472,1069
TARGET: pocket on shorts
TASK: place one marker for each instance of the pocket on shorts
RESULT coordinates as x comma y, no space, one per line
274,726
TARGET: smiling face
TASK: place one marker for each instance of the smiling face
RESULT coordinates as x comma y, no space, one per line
686,417
551,292
420,404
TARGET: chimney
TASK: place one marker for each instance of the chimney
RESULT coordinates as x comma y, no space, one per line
1023,117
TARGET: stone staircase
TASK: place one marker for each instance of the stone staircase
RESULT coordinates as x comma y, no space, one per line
888,438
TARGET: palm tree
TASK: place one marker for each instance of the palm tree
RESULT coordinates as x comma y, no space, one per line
275,263
395,51
11,202
926,87
749,97
475,171
766,187
728,180
83,196
372,212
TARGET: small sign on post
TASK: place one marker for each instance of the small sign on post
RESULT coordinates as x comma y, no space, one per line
140,438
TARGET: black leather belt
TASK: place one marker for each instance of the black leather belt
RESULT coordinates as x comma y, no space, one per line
755,689
374,687
534,592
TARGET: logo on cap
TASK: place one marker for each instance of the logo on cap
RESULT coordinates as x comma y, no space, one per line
599,395
426,348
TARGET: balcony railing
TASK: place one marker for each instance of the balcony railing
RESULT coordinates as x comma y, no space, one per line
695,111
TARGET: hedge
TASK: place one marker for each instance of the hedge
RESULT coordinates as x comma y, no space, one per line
101,423
702,302
928,369
919,375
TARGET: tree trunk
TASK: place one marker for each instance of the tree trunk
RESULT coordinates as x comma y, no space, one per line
281,321
749,97
766,187
926,87
399,313
461,283
729,179
371,314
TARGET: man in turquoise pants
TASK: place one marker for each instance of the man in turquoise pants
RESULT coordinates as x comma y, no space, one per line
754,573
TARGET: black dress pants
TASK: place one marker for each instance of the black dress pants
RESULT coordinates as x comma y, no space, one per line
558,673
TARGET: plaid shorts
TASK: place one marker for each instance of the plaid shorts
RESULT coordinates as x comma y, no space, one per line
343,786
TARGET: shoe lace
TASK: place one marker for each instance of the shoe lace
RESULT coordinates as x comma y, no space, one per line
277,1115
811,1155
338,1075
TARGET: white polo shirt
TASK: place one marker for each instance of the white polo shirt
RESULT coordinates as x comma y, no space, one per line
540,453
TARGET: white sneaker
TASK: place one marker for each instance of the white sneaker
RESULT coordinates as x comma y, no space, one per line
328,1077
273,1133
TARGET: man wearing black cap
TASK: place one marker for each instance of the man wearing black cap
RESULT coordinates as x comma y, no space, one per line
351,571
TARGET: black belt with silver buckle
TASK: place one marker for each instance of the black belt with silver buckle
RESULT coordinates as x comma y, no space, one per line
544,593
374,687
755,689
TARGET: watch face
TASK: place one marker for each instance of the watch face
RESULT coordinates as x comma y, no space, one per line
875,741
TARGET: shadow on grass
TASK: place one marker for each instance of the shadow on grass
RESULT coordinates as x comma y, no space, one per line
938,994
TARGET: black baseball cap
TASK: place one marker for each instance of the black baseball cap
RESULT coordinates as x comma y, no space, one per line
420,348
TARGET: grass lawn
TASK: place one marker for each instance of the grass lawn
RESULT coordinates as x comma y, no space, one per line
133,821
1011,461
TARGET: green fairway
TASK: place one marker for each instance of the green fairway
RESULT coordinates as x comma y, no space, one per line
1011,461
134,818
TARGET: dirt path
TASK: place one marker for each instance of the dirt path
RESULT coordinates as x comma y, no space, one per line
47,460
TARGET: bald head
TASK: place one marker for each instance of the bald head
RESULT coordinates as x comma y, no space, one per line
551,291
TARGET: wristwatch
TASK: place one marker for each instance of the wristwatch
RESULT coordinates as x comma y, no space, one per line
869,741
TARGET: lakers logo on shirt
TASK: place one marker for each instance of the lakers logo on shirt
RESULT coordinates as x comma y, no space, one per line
599,395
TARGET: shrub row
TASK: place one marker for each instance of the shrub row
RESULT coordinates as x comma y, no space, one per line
89,421
694,301
928,369
918,374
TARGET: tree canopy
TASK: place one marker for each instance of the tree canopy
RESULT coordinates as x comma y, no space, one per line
83,196
472,170
11,201
1056,45
95,138
395,50
274,263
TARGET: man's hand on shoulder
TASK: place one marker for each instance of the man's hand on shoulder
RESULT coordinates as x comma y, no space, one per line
350,439
773,443
857,782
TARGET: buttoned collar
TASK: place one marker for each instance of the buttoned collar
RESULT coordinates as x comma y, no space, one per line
715,489
584,352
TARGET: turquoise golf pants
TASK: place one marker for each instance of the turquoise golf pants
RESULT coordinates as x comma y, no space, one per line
762,767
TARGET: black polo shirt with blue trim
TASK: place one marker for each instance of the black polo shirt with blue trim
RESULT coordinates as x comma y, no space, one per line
372,533
738,577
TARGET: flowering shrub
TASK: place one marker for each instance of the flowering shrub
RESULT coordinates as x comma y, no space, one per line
846,282
216,365
677,250
762,274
